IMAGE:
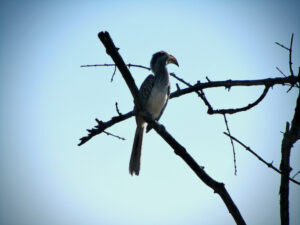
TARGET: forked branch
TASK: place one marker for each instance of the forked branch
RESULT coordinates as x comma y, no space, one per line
218,187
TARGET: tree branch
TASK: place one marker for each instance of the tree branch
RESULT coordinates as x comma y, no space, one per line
112,51
218,187
102,126
290,137
231,83
245,108
290,55
270,165
233,149
179,149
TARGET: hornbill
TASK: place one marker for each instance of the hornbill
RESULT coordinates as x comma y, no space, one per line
153,95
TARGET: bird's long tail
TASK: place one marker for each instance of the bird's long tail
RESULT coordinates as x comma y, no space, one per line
135,159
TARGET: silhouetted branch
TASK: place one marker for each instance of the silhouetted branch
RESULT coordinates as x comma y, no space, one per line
112,77
290,50
280,71
95,65
117,109
231,83
233,149
290,137
270,165
113,135
296,174
98,129
112,64
112,51
218,187
179,149
281,45
290,55
199,87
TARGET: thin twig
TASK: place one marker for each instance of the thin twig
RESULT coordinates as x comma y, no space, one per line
112,77
296,174
113,135
102,126
233,149
290,55
95,65
281,45
280,71
117,109
270,165
112,64
138,66
245,108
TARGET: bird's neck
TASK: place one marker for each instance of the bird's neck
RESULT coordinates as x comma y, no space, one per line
162,75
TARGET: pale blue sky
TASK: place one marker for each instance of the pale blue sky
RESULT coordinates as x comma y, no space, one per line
47,101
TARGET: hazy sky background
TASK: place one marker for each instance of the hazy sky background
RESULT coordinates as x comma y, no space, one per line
48,102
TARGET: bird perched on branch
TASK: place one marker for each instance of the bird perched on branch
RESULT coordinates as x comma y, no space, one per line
153,95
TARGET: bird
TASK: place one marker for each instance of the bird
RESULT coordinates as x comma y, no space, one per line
153,97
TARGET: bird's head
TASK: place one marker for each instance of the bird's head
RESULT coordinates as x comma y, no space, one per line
161,59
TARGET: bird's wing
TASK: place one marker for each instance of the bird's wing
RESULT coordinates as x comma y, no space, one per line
161,112
145,89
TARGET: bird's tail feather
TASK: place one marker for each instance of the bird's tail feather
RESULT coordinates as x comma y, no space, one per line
135,159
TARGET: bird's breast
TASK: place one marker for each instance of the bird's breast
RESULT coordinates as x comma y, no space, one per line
157,100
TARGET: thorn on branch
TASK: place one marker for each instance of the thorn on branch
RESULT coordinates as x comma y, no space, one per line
117,109
177,86
270,164
112,77
228,85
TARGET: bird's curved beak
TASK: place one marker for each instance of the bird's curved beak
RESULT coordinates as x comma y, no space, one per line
172,60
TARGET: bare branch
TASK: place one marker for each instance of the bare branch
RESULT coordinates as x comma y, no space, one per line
112,77
251,105
270,165
285,168
230,83
112,64
233,149
138,66
290,55
290,137
98,129
179,149
113,135
95,65
281,45
280,71
296,174
218,187
211,111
